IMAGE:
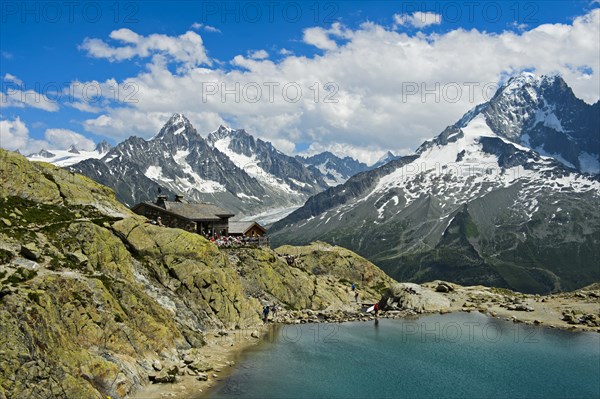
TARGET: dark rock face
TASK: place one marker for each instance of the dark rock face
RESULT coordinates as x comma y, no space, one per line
279,167
478,204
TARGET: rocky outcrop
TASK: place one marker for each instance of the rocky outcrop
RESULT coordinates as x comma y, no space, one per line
316,277
408,296
95,302
44,183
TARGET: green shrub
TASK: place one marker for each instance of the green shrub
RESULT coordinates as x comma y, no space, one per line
21,275
5,256
34,296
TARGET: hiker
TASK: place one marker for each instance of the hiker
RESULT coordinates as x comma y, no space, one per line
266,313
159,221
356,296
274,310
353,287
376,309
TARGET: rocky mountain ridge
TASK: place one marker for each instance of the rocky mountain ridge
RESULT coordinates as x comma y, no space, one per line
229,167
335,170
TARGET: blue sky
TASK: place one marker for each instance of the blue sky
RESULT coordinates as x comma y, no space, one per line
47,45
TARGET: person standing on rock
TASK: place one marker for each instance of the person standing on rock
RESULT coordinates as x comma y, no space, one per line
274,310
266,313
376,309
356,296
353,287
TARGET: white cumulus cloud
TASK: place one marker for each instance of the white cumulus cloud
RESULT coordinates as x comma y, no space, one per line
322,38
374,88
418,19
187,48
14,135
15,94
208,28
65,138
12,78
258,54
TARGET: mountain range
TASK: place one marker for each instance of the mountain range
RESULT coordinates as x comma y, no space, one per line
70,156
230,167
507,196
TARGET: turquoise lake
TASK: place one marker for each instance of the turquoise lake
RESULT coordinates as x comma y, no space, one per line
459,355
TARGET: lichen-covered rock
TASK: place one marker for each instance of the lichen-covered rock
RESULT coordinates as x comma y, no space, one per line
107,302
334,270
194,269
43,182
82,333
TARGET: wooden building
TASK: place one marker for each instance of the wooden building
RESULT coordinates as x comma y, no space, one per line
202,218
249,229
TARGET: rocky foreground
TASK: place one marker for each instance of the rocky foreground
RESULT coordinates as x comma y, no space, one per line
95,302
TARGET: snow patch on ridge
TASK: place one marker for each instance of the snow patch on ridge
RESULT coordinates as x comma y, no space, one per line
198,183
63,158
251,165
589,163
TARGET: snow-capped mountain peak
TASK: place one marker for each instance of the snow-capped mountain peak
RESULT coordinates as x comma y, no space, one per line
527,79
225,132
103,147
43,154
479,203
334,169
177,119
542,113
385,158
69,156
73,150
230,167
177,126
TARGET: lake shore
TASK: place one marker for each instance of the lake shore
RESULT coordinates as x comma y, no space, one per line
575,311
221,352
578,310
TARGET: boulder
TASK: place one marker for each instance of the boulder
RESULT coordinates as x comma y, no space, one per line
31,251
442,288
156,365
78,257
413,297
165,378
202,377
521,307
200,366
